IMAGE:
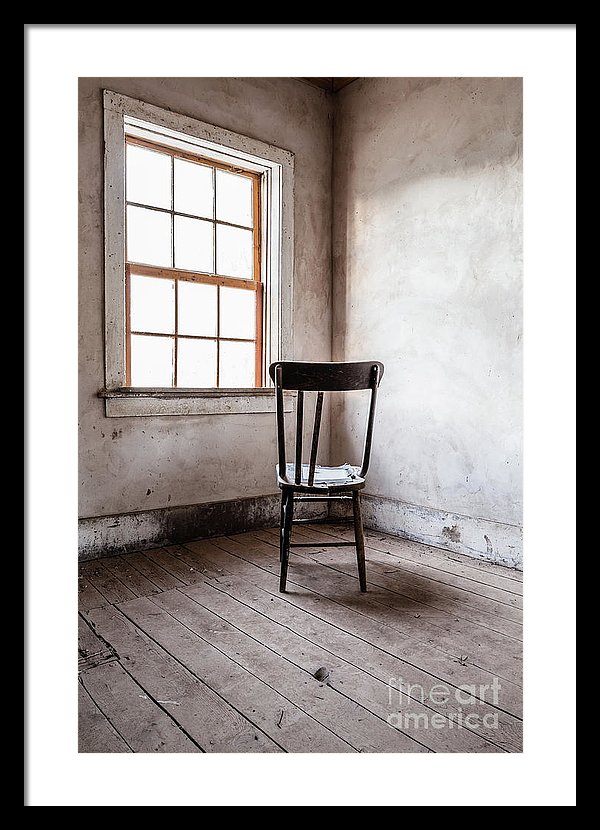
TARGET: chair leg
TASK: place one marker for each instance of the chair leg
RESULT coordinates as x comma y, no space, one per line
281,524
359,539
287,509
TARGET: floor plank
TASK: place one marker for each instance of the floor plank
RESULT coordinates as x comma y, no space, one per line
88,595
426,589
357,615
419,600
137,583
92,651
157,575
485,648
210,721
422,590
163,557
458,591
111,588
353,724
96,734
141,722
192,648
357,670
290,726
411,680
473,580
366,700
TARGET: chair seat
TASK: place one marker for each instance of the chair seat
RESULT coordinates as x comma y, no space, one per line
344,477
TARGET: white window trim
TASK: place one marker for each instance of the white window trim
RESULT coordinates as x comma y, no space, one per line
278,243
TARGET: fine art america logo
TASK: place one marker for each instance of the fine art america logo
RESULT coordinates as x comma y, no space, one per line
457,702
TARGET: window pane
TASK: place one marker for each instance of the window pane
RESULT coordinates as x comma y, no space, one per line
234,252
148,177
197,363
152,304
148,236
193,244
236,368
193,188
234,198
197,312
238,313
151,361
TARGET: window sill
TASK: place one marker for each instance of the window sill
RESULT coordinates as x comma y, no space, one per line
123,403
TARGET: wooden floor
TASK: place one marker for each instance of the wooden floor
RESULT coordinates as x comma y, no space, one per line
193,649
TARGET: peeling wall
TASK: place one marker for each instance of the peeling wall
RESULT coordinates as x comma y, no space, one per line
427,278
146,463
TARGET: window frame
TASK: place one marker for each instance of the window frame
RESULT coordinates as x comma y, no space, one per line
275,167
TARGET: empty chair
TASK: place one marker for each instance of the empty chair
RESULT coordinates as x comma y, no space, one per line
309,482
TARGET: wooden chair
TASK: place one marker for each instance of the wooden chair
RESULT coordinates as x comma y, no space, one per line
305,483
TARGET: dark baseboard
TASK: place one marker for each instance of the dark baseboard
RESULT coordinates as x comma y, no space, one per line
127,532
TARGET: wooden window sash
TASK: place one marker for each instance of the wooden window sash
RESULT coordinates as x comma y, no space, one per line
177,274
196,158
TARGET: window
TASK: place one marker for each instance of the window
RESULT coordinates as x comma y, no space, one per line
198,264
194,295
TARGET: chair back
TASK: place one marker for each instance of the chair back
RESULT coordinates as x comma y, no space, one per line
320,377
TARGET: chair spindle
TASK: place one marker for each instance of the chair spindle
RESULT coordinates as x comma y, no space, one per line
315,439
299,429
